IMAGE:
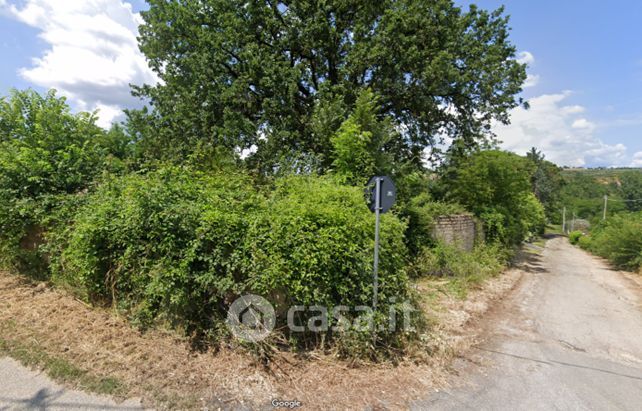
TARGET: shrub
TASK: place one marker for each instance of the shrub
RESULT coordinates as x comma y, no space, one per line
46,153
179,245
421,212
168,244
464,269
496,186
585,242
574,237
619,239
314,245
533,216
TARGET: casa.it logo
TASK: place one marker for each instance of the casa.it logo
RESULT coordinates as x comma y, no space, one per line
251,318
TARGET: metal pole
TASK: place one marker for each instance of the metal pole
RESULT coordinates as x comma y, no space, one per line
375,286
606,200
573,223
564,221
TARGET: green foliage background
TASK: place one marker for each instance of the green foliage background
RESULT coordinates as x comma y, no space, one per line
162,217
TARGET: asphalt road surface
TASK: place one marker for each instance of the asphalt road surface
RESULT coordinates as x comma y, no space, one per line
569,337
23,389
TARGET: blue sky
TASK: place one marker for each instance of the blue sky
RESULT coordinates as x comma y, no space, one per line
591,50
585,66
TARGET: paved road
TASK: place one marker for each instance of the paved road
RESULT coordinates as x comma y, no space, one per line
569,337
23,389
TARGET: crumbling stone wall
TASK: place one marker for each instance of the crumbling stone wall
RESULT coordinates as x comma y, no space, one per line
458,229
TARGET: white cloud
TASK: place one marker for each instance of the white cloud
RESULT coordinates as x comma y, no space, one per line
637,159
552,127
525,57
92,53
531,80
573,109
107,114
583,124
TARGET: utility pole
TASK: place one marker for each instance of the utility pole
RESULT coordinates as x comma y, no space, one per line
564,221
573,223
606,200
375,286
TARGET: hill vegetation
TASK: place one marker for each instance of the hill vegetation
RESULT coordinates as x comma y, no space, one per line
618,237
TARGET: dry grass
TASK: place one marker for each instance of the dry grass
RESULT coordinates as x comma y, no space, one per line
166,372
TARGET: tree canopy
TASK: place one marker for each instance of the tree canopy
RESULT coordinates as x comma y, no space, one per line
281,76
496,186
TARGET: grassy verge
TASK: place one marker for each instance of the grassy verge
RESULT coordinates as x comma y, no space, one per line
454,271
58,369
553,229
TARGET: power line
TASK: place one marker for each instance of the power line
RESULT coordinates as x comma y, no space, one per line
625,201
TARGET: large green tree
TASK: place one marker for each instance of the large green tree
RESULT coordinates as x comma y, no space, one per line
283,75
547,182
496,186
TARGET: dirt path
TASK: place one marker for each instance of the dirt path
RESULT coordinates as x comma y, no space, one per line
569,337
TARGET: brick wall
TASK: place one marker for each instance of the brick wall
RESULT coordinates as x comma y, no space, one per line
457,229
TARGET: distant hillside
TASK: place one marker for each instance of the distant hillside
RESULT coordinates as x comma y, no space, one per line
585,188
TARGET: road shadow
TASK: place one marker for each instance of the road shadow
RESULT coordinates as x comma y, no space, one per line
529,259
45,399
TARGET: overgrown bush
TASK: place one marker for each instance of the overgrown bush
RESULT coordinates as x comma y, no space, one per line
314,245
168,244
463,269
180,246
46,154
422,211
574,237
619,239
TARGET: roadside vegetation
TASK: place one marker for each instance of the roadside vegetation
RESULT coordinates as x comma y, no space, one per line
617,238
173,245
246,174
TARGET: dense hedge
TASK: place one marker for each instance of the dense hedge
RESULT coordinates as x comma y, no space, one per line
315,241
168,243
47,156
180,245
